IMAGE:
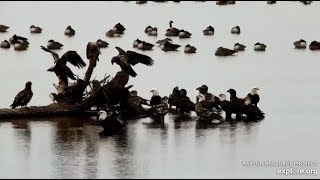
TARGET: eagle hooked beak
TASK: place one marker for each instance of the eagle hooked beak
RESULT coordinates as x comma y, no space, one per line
112,61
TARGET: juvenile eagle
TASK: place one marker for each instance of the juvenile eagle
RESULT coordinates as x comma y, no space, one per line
126,59
23,97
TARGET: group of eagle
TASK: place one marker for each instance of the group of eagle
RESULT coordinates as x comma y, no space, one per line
208,104
125,59
204,106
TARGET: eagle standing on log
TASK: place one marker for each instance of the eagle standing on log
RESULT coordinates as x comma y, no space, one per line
23,97
60,68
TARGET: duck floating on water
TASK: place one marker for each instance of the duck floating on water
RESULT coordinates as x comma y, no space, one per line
5,44
54,44
145,46
136,43
20,45
167,46
69,31
239,47
271,2
314,45
300,44
190,49
102,44
14,39
148,29
259,47
35,29
221,51
3,28
172,31
208,31
163,41
184,34
116,31
235,30
153,32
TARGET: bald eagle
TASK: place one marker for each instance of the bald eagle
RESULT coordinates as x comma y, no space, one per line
254,96
110,125
60,68
23,97
126,59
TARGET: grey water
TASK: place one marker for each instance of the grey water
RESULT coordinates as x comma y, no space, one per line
180,147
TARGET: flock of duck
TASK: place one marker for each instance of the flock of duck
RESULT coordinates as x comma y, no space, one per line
166,44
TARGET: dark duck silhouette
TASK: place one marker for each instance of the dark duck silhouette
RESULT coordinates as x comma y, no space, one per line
69,31
172,31
110,124
167,46
15,39
314,45
23,97
3,28
127,58
221,51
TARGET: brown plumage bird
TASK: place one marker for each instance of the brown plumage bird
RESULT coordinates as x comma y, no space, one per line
127,58
23,97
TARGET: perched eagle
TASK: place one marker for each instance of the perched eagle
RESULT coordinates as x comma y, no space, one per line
126,59
23,97
93,51
60,67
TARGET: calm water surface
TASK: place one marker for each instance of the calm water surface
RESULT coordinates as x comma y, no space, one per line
70,147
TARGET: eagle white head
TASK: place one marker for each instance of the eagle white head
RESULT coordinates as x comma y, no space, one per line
201,97
102,115
154,92
222,97
254,90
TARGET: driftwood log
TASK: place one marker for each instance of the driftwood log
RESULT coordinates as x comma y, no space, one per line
103,93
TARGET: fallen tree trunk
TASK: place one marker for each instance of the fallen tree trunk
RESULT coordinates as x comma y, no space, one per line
40,111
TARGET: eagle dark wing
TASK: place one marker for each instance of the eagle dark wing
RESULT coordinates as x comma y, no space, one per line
134,58
54,54
74,58
125,66
67,71
22,98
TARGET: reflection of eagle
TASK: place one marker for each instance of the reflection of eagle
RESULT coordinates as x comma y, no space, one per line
60,68
23,97
126,59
